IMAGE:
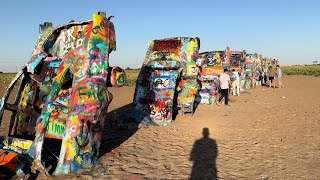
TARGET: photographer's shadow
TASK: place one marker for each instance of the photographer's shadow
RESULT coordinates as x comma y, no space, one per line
204,155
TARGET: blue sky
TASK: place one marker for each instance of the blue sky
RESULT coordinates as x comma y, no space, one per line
284,29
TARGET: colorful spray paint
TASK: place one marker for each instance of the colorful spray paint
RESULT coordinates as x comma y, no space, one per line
63,95
211,68
167,81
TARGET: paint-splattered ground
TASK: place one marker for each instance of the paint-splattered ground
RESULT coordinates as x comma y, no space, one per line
267,134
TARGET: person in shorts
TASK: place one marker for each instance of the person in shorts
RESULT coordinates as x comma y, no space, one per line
272,74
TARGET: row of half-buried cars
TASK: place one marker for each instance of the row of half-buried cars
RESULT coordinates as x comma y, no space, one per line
251,68
175,78
60,102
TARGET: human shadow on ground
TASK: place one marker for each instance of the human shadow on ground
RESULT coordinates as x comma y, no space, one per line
204,154
113,135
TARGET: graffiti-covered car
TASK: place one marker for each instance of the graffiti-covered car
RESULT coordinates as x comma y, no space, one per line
210,64
167,82
61,100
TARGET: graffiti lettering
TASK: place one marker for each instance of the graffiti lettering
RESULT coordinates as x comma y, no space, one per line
169,45
73,42
161,82
20,144
70,37
79,43
92,91
95,29
192,70
101,30
56,128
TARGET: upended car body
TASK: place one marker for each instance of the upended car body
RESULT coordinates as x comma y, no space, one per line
167,82
210,64
61,102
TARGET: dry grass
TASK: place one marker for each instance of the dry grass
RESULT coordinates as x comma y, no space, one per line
131,77
301,70
5,79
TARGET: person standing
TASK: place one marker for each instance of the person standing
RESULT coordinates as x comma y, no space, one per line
242,80
266,76
235,83
272,75
279,76
224,85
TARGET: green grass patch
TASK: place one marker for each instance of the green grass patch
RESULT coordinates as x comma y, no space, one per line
301,70
132,76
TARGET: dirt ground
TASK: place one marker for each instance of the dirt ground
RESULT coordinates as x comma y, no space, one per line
266,134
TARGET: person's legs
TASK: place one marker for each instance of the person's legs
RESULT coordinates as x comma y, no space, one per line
270,83
226,98
259,81
238,87
280,82
222,95
234,87
274,83
242,85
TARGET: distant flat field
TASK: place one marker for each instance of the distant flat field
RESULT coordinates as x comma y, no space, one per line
302,70
5,79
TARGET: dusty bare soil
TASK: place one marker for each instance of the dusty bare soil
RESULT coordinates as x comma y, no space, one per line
266,134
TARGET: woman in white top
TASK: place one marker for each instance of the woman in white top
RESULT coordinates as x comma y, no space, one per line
235,83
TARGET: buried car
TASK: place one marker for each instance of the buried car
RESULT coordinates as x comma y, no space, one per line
210,64
61,102
167,82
